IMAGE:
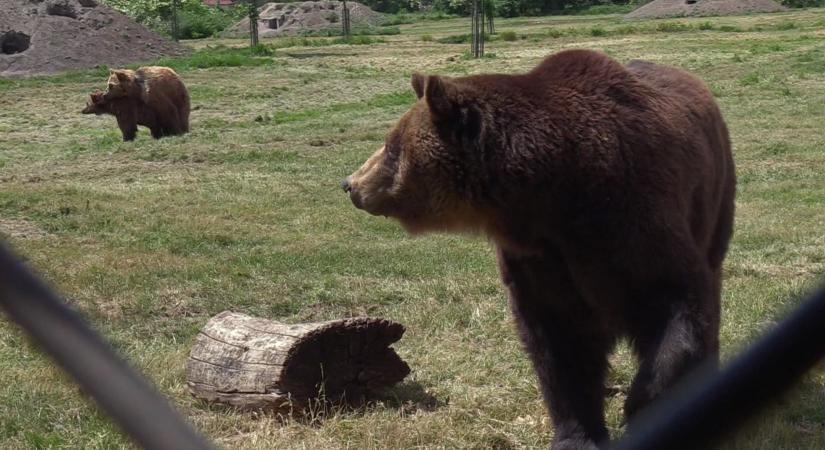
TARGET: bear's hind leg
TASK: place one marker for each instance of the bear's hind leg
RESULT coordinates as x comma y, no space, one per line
157,131
677,332
568,350
168,117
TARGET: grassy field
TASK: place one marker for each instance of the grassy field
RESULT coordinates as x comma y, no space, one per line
149,239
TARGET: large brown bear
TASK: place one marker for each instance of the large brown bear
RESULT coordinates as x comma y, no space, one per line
609,193
158,89
129,113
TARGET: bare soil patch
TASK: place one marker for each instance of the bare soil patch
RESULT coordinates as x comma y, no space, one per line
38,37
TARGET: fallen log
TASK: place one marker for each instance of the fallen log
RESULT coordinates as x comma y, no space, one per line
254,363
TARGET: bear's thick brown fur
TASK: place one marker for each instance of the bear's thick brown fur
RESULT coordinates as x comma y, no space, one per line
156,88
609,193
129,113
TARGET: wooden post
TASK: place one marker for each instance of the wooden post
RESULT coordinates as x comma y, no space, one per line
345,22
477,39
175,27
481,28
253,23
474,29
254,363
491,12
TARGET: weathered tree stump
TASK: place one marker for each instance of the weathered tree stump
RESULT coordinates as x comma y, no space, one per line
254,363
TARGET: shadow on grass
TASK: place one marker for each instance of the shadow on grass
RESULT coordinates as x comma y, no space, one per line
408,398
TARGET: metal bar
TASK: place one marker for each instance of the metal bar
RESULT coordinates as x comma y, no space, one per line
126,397
708,406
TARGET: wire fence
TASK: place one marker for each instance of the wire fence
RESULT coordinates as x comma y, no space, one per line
697,413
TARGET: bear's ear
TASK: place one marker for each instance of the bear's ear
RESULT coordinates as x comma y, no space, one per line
418,83
450,109
121,75
442,98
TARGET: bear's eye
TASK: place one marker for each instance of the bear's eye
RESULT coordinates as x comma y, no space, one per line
393,146
393,153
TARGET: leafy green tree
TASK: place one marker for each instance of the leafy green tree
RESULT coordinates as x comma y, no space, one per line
196,20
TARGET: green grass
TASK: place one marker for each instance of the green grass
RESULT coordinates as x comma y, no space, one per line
357,31
149,239
220,57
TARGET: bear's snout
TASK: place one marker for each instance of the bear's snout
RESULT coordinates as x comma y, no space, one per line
346,185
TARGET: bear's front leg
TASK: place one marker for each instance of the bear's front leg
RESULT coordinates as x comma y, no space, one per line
128,126
568,347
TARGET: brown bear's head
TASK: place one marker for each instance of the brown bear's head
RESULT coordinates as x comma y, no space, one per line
95,103
426,172
121,83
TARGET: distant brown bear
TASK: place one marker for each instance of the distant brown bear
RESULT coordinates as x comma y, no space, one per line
609,193
129,113
158,89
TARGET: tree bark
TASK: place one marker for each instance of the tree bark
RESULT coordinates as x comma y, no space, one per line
254,363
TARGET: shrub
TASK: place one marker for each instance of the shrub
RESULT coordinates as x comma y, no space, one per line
555,33
455,39
803,3
626,29
598,31
195,20
219,56
508,36
672,27
427,38
508,8
730,29
399,19
437,15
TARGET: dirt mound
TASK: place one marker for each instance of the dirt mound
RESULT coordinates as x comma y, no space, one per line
293,19
38,36
678,8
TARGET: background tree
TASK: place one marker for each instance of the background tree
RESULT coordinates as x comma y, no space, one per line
195,20
253,23
345,20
